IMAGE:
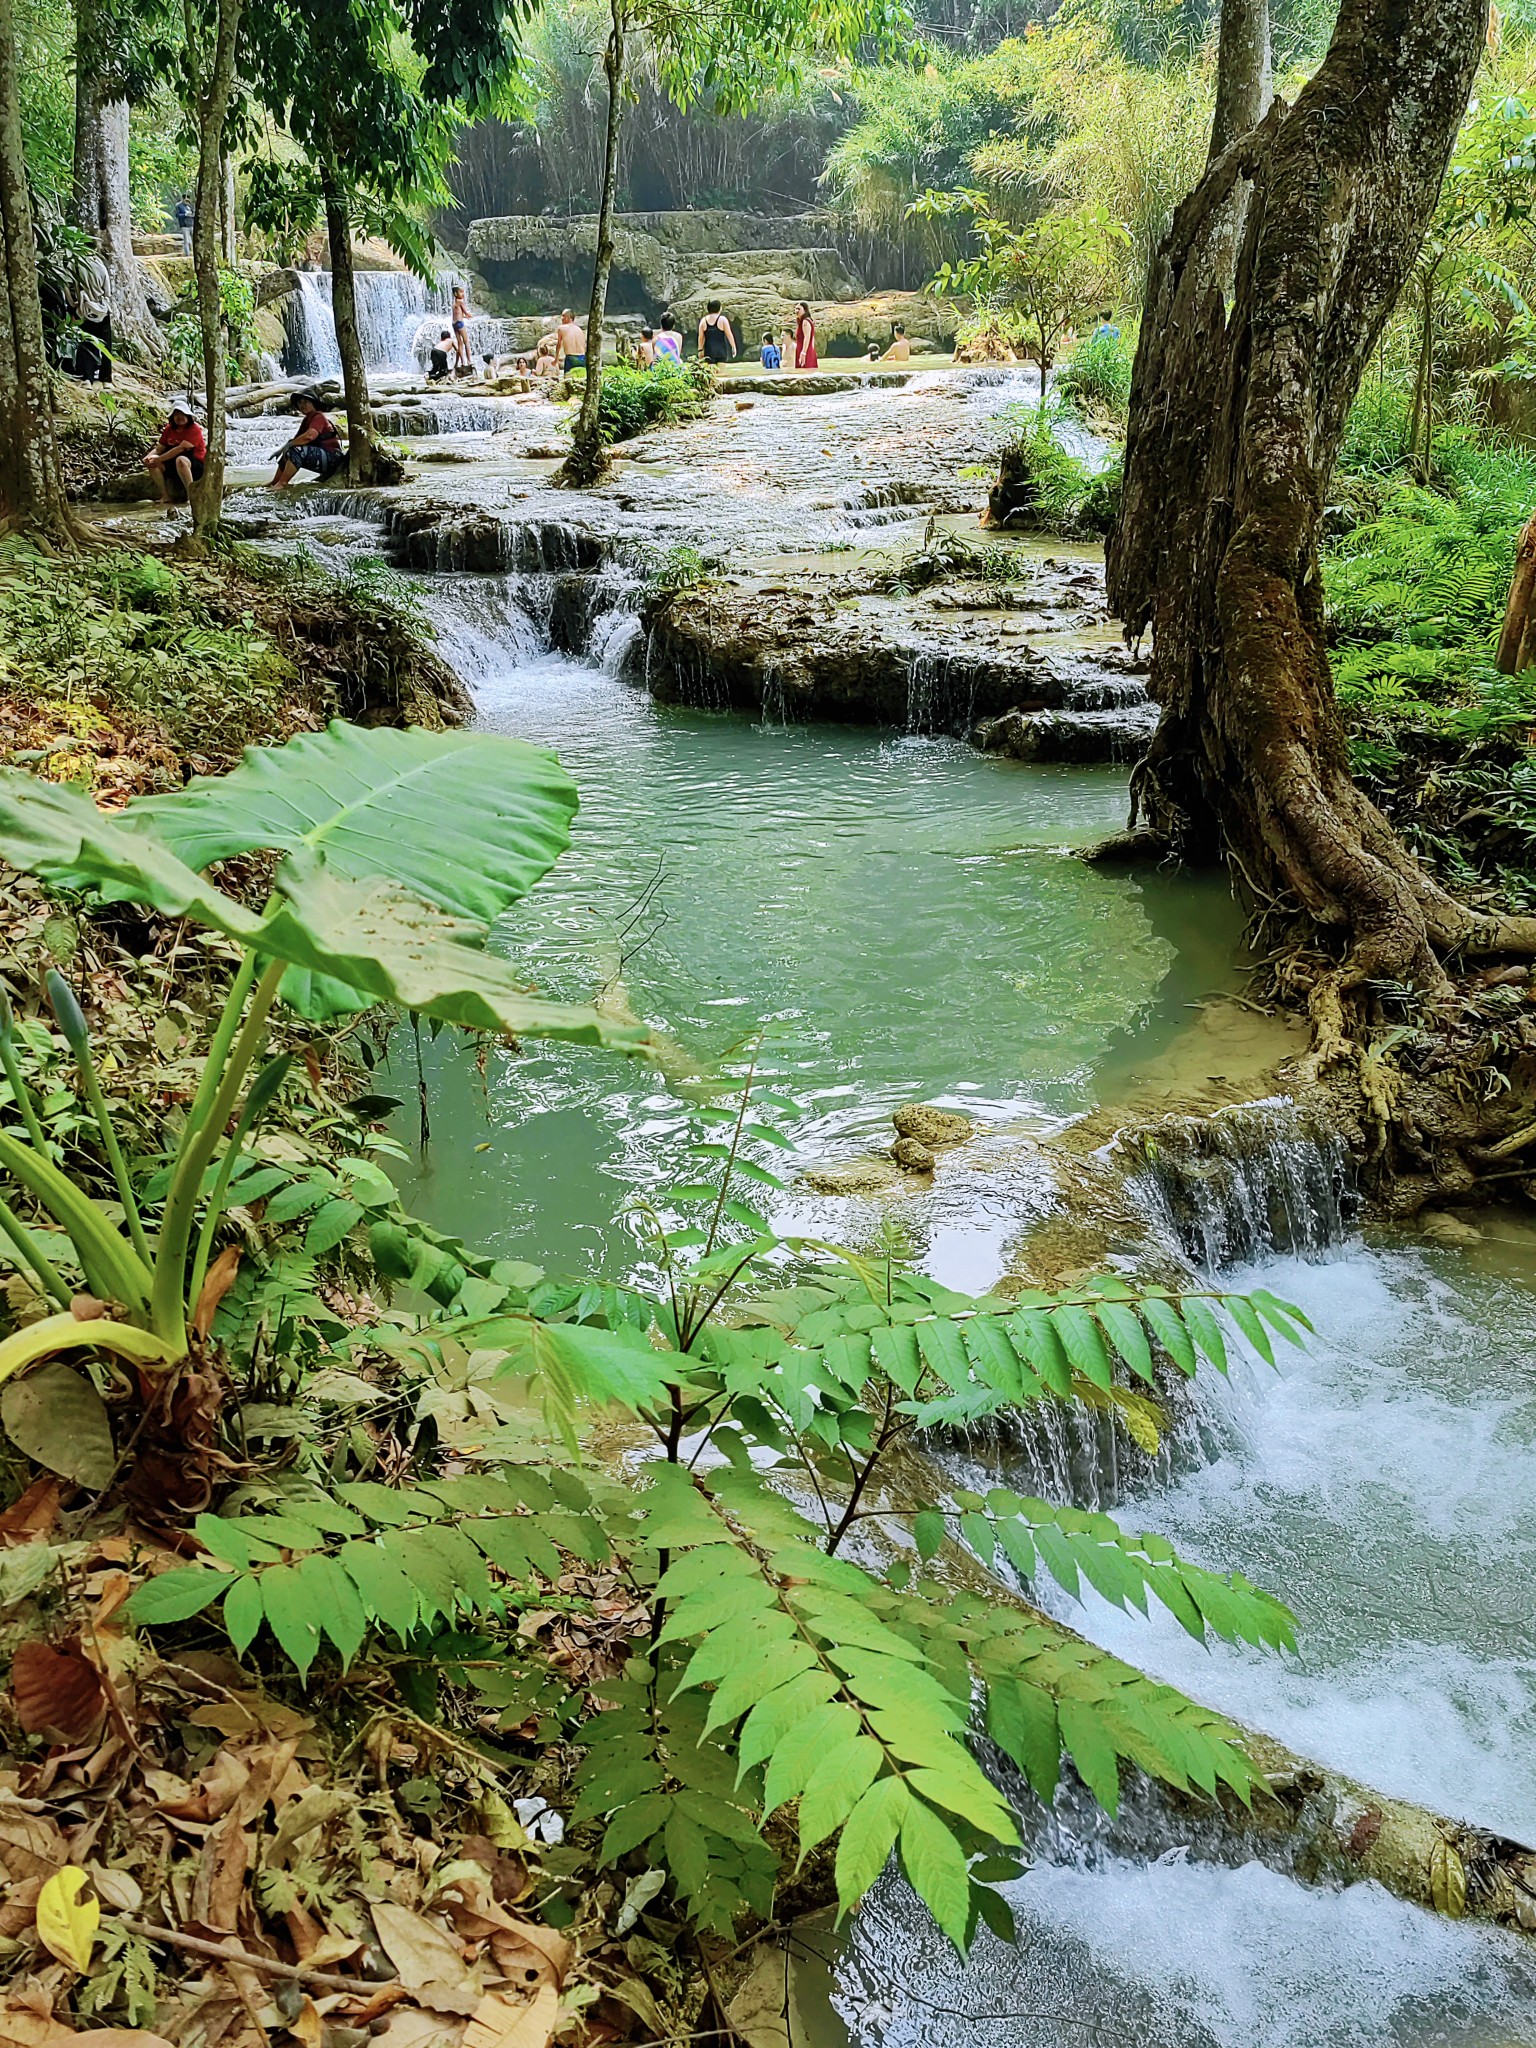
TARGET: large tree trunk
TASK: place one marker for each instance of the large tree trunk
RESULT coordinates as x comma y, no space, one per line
1236,419
213,75
31,480
1244,90
100,199
588,459
362,464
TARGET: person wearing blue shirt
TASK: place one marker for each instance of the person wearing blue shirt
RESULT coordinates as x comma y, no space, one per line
768,354
1106,329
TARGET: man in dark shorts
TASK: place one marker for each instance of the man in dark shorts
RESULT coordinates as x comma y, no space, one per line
316,446
181,451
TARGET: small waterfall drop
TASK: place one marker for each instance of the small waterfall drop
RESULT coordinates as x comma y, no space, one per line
395,316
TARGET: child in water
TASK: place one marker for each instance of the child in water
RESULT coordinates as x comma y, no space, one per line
770,354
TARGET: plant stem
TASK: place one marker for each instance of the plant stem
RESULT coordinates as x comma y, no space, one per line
22,1093
168,1299
112,1267
13,1227
119,1165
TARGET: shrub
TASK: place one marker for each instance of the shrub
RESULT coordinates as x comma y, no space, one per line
665,395
1096,379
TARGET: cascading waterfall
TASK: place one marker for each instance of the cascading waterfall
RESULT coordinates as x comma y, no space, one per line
398,317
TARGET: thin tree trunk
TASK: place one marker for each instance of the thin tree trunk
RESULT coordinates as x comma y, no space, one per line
228,249
213,89
1236,420
1422,433
588,459
1515,640
362,466
1244,91
31,479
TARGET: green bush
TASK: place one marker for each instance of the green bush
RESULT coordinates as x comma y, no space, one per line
1096,378
665,395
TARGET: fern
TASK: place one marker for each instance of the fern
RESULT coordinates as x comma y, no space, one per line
776,1674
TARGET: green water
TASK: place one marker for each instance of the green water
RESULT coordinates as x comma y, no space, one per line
903,915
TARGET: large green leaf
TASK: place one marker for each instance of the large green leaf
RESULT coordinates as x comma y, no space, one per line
50,830
392,947
468,820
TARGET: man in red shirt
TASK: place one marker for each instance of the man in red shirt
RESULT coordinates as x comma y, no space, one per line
182,449
316,446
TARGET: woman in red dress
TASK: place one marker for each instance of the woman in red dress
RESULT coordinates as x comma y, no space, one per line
805,338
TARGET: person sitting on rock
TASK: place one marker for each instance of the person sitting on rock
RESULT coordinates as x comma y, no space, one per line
570,343
669,342
717,339
438,360
645,352
316,446
770,355
181,451
900,350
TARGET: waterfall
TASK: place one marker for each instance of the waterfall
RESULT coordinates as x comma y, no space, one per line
393,309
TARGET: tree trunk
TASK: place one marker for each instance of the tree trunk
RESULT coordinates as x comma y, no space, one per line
588,459
362,464
1244,91
100,200
1235,424
31,480
228,223
1517,640
213,88
1421,431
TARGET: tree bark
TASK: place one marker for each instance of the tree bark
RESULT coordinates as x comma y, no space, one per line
100,199
1244,91
31,479
1236,419
1517,639
362,464
588,459
213,88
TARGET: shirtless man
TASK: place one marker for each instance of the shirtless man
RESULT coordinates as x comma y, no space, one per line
570,343
900,350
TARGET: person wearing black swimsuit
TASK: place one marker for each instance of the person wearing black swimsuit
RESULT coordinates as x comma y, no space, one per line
717,343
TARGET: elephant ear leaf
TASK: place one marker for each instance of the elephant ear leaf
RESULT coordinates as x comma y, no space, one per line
60,834
389,946
468,821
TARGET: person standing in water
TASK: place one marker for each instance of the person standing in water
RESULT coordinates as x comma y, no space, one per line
669,342
805,338
900,350
570,343
717,340
462,360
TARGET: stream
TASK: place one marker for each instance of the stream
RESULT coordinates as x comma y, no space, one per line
902,916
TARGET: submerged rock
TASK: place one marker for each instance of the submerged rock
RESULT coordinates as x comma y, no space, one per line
1442,1228
866,1176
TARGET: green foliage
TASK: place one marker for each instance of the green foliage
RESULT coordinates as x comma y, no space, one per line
1417,595
664,395
1096,378
377,896
1043,484
129,634
184,336
766,1670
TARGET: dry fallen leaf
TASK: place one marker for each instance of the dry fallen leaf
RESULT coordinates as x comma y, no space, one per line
307,2026
30,1844
67,1923
34,1514
423,1954
58,1692
501,2022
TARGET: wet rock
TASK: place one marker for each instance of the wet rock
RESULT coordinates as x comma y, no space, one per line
925,1125
912,1156
866,1176
1069,734
1441,1228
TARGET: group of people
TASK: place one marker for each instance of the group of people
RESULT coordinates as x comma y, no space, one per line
180,453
